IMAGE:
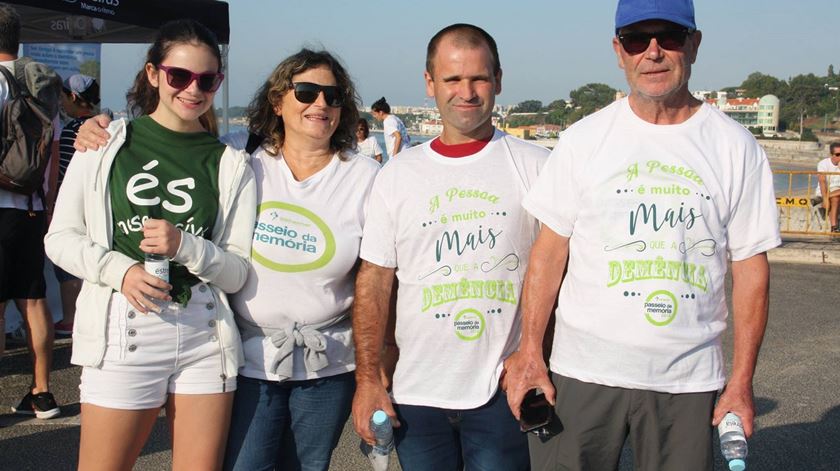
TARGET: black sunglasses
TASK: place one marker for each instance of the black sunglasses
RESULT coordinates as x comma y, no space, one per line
307,92
180,79
637,42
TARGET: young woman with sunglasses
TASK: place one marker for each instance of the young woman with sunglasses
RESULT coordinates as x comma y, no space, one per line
163,184
296,388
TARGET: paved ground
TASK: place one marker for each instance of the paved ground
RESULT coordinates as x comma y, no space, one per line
797,390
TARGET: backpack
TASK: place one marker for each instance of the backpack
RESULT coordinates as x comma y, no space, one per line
26,129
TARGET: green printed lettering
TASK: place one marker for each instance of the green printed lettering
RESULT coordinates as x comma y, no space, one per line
627,271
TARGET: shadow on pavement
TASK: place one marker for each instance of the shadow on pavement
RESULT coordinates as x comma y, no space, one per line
56,449
16,360
807,445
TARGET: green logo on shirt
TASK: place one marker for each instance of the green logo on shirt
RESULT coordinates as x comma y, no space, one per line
469,324
302,245
660,308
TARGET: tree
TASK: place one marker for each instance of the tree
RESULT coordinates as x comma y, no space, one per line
528,106
757,85
592,97
831,70
805,94
556,105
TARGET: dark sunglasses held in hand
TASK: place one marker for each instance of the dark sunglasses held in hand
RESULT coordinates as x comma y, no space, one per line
180,79
637,42
306,92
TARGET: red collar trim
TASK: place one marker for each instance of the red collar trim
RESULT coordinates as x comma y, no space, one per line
459,150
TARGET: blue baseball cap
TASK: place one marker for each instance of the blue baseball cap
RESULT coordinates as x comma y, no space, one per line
680,12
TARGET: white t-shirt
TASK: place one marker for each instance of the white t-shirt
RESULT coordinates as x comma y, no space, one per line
369,147
10,199
390,125
653,213
306,244
833,181
455,232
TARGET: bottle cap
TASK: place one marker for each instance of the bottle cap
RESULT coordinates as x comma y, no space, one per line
380,417
737,465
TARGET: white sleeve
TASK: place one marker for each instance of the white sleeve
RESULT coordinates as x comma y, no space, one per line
554,197
227,264
754,222
376,148
379,235
67,242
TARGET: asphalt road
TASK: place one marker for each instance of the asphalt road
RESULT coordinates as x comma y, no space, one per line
797,389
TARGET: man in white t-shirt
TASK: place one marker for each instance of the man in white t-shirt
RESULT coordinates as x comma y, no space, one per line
648,200
446,218
395,133
828,186
22,229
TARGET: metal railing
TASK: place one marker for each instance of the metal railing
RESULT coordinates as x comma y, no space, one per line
798,213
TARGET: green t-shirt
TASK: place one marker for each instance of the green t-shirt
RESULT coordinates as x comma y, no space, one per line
163,174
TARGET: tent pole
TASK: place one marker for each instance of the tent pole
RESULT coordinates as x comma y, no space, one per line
225,90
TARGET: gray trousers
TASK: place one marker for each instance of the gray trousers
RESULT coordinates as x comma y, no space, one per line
668,432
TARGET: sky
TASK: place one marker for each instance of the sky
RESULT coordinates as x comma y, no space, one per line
547,47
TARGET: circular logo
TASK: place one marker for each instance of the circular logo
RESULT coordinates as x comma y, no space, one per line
660,308
469,324
289,238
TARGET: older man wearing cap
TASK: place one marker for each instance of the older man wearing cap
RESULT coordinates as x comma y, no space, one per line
648,201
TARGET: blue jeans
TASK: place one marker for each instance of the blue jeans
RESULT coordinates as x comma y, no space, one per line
485,438
293,425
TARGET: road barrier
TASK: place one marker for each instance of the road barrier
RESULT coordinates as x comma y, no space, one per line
799,211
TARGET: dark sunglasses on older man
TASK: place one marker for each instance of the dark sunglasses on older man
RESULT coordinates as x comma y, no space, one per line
637,42
180,79
306,92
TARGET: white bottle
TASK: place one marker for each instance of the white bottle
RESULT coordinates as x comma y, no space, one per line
157,265
383,432
733,443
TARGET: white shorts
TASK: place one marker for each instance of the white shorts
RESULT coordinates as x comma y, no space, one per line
151,355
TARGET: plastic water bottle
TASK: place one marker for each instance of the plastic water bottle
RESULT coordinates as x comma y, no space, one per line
158,265
378,454
733,443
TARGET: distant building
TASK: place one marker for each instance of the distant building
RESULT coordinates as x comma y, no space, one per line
535,131
750,112
431,127
702,94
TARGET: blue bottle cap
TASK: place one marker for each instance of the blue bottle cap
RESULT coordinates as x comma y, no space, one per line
380,417
737,465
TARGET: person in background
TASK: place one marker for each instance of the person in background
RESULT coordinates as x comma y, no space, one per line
80,101
396,135
828,186
164,185
366,144
650,200
23,222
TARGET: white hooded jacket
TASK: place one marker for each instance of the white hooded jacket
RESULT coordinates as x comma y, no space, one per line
80,239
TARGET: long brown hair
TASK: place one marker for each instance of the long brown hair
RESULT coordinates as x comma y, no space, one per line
142,97
264,122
